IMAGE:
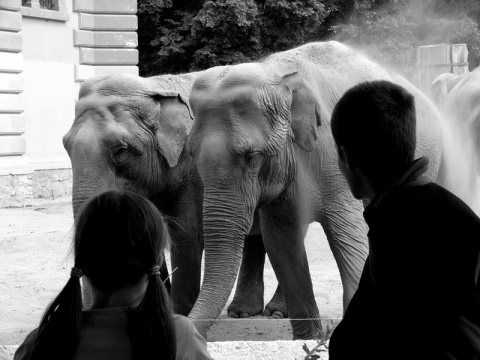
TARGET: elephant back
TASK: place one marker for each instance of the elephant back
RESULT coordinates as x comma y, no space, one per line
331,68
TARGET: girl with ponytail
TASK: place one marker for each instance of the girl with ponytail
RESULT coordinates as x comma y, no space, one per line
119,242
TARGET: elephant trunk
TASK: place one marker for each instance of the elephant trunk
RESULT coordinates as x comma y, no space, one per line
225,224
91,176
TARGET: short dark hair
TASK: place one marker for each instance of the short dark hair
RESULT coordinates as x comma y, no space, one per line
375,123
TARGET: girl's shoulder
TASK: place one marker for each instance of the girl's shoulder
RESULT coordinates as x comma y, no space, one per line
190,344
183,325
25,349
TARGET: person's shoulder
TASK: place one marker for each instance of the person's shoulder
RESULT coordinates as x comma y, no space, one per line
436,209
183,322
437,198
183,327
445,199
190,344
24,351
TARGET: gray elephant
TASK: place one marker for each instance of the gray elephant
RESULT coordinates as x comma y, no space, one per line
462,114
264,150
129,133
442,85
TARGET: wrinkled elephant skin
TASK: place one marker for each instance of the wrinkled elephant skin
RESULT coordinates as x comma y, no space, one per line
129,133
264,150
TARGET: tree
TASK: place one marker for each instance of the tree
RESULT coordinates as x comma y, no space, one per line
179,37
189,35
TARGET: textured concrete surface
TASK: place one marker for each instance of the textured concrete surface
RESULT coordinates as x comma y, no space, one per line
237,350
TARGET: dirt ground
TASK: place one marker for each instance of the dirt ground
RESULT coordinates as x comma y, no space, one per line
35,264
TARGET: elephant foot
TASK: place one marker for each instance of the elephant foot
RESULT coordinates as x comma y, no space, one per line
306,329
276,308
244,308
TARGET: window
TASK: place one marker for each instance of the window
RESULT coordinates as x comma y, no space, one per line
45,9
41,4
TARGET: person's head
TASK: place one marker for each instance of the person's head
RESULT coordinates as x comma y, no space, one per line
119,237
374,128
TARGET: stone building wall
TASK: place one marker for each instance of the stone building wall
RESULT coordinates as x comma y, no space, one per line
47,49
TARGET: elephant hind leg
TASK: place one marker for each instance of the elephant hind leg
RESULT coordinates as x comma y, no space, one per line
284,242
248,299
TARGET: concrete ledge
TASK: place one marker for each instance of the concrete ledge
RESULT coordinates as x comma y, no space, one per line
236,350
107,22
45,14
11,62
10,21
49,162
11,103
11,5
11,83
14,165
11,42
106,6
108,56
12,124
83,72
105,39
12,145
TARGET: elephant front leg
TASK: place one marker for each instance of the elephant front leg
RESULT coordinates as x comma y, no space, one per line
276,308
186,275
284,242
248,299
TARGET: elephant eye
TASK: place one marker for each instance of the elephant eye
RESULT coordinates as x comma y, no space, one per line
254,158
121,155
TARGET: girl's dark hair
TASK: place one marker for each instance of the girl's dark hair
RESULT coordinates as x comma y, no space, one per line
119,236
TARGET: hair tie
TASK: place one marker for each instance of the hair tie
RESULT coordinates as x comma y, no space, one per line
154,271
76,272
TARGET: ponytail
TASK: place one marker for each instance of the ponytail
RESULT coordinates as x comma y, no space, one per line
59,330
154,329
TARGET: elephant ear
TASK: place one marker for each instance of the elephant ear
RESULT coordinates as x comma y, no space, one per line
175,121
304,111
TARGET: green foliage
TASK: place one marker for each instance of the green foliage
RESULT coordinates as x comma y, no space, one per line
285,23
187,35
176,37
225,32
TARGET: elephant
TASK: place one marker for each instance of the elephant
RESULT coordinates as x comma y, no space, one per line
462,115
129,133
264,150
442,85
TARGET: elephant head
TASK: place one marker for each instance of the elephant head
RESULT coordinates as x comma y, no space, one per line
247,124
442,85
127,134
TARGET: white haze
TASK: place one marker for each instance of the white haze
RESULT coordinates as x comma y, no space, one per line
459,152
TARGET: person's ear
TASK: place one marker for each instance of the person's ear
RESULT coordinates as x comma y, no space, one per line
345,158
